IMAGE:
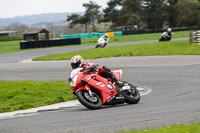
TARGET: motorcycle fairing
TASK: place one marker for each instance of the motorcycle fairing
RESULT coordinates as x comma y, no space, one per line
104,91
98,82
83,88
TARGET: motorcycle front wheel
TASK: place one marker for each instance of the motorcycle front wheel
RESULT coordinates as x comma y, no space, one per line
90,101
98,46
132,97
104,45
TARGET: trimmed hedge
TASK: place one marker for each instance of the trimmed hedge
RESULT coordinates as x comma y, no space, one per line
11,38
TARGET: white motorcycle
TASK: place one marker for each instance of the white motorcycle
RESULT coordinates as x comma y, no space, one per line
165,37
101,43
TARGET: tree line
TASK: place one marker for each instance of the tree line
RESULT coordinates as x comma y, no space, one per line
145,14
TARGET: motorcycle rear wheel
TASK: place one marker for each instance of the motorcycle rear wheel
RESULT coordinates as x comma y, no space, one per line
91,102
132,98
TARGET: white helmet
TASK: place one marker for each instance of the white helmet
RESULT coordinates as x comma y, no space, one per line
76,61
169,30
106,36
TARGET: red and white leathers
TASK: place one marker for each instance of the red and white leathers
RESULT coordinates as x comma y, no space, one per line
103,71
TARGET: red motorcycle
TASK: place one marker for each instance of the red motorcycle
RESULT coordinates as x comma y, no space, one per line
93,90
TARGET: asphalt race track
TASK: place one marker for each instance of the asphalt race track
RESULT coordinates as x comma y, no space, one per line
175,96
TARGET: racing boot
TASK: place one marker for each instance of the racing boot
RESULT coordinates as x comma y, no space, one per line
118,82
106,72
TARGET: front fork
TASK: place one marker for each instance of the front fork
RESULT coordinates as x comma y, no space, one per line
84,88
90,92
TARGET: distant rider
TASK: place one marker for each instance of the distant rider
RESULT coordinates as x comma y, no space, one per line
78,62
103,41
167,35
106,38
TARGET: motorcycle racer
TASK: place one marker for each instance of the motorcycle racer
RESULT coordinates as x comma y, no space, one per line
103,41
167,35
106,38
94,90
168,32
78,62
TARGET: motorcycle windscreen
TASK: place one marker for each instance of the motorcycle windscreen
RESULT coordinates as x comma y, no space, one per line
118,74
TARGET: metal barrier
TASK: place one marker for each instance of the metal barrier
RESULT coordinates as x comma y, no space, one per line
195,37
49,43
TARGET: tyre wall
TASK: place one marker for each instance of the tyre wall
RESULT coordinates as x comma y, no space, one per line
49,43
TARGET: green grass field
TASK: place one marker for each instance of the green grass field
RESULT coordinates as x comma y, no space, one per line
13,46
17,95
9,46
178,128
149,49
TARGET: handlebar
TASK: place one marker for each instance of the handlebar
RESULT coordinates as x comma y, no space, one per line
89,69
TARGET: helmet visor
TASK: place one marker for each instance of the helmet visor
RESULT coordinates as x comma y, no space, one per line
76,65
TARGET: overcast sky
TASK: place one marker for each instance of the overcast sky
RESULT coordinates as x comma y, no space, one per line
12,8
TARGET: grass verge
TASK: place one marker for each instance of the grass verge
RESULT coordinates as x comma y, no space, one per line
130,38
17,95
13,46
150,49
178,128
